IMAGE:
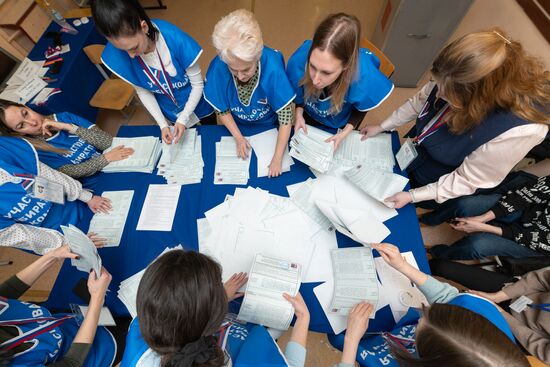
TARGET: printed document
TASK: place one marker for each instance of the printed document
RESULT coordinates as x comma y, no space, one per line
376,183
111,225
264,145
312,149
81,245
159,208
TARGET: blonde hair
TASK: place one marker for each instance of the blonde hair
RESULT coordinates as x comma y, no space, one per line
340,35
484,71
238,35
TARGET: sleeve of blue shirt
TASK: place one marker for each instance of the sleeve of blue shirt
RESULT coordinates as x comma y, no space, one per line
217,84
279,88
438,292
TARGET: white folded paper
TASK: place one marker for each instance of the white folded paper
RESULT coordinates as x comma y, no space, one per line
81,245
312,149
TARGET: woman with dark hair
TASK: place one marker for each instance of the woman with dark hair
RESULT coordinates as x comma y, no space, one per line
456,330
182,320
64,141
484,110
335,80
159,60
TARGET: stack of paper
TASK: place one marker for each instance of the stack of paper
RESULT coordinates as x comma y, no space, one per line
127,291
159,208
26,82
251,222
302,198
147,150
182,163
111,225
230,169
312,149
376,183
81,245
263,301
264,146
375,152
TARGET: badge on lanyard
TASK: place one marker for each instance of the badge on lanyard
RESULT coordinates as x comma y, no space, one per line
520,304
406,154
48,190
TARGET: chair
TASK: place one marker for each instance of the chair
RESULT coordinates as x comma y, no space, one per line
386,66
535,362
114,93
78,13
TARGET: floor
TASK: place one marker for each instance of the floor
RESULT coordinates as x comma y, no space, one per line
319,350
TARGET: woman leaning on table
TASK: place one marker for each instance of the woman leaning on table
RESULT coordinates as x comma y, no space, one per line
484,110
247,85
64,141
335,80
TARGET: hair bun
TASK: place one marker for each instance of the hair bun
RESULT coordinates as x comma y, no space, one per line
199,351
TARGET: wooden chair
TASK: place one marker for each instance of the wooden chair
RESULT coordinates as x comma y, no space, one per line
114,93
78,13
535,362
386,66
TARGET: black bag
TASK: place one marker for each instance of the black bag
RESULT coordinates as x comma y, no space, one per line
519,266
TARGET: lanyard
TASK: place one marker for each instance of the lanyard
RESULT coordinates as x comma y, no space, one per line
167,92
436,125
52,323
401,342
541,306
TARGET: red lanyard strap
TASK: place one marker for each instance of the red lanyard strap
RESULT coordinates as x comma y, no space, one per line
168,93
52,323
432,129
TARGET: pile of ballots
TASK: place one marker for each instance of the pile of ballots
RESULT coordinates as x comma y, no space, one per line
147,151
312,148
230,169
81,245
182,163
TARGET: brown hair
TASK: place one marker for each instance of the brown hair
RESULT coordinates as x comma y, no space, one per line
340,35
37,143
453,336
181,303
484,71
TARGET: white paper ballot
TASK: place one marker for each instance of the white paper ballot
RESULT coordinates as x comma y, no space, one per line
159,208
229,168
147,150
324,293
81,245
263,302
376,183
111,225
354,279
312,149
30,88
376,151
264,146
182,163
105,316
304,200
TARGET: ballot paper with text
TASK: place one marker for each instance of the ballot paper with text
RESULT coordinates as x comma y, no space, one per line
159,208
147,150
182,163
377,183
111,225
302,197
230,169
354,279
375,151
263,302
83,246
312,148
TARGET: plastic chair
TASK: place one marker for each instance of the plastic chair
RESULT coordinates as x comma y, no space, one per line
386,66
114,93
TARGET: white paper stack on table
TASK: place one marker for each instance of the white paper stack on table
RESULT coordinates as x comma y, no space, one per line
81,245
263,301
127,291
376,183
375,152
251,222
230,169
182,163
147,150
312,149
264,145
111,225
26,82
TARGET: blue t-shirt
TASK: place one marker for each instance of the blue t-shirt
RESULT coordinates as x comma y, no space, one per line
78,150
19,160
272,92
366,92
184,52
52,345
245,345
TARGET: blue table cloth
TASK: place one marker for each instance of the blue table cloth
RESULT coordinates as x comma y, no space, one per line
139,248
78,78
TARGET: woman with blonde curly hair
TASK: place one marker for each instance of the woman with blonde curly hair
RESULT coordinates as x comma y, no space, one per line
484,110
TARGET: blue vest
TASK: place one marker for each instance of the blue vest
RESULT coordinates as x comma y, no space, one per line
272,93
375,351
19,159
78,150
246,345
443,151
184,52
52,345
366,92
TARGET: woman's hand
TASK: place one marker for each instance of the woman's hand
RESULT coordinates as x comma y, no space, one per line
233,285
61,253
243,147
118,153
49,127
166,135
391,255
96,240
300,307
358,321
468,225
370,131
337,139
275,167
399,200
99,204
300,124
98,286
179,130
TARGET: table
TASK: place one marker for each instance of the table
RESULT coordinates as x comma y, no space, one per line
78,78
137,249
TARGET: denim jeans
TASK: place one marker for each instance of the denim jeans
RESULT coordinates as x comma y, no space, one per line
481,245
